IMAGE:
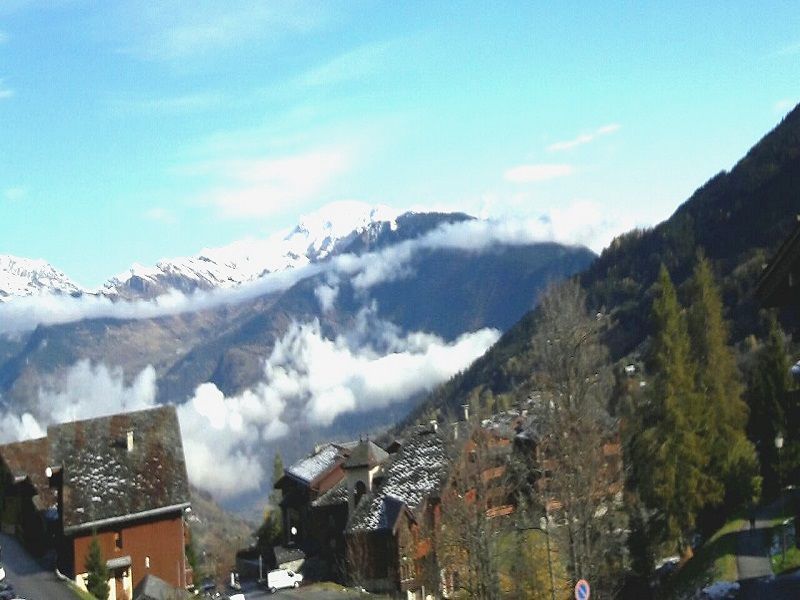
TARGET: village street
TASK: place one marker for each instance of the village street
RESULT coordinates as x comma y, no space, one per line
31,580
311,592
752,560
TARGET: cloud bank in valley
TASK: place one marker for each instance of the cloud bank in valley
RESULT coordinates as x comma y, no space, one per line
309,380
582,223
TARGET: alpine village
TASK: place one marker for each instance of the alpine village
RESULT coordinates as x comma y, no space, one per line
621,425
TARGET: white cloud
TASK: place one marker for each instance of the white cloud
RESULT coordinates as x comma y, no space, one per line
4,91
160,214
326,296
784,105
581,223
308,380
187,103
584,138
15,193
176,31
372,367
349,66
270,185
537,172
4,37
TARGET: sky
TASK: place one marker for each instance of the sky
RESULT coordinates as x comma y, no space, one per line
134,131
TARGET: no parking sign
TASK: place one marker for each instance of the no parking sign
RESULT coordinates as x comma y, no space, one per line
582,590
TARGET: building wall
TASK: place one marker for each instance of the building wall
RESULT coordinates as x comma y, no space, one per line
161,540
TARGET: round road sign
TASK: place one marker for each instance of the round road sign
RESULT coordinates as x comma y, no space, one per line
582,590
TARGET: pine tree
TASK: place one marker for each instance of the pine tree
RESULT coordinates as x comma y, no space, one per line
718,381
767,396
277,473
673,454
97,572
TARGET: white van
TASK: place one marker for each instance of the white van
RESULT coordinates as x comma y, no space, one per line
281,578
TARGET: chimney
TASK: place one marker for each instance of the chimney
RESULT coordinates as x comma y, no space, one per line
130,440
465,408
434,425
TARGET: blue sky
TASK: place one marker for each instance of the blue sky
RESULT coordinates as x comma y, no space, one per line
133,131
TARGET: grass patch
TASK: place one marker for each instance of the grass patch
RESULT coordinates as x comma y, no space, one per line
792,562
713,561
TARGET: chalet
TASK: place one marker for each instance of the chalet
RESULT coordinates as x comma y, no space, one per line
301,484
121,479
29,506
376,519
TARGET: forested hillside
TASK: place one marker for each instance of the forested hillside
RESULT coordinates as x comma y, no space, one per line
737,219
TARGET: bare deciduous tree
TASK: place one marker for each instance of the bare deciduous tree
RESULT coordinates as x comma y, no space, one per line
578,452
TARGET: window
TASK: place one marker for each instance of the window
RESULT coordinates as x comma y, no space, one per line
146,562
118,540
361,489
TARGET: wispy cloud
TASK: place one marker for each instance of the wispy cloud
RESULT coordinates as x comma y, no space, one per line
160,214
537,172
4,91
15,193
784,105
187,103
349,66
4,37
584,138
270,185
176,30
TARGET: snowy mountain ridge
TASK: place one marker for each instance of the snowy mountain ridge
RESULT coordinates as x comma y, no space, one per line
27,277
315,237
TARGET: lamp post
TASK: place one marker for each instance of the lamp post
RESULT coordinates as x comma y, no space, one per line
778,446
543,527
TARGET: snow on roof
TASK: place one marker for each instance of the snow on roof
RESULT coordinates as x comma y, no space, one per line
413,474
311,467
334,496
104,481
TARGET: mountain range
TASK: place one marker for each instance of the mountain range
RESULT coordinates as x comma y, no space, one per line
364,286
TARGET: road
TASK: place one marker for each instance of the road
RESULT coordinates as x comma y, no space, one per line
31,580
311,592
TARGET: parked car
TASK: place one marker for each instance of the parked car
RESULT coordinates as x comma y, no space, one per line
282,578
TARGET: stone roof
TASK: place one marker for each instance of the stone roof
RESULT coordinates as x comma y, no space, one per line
310,468
104,482
334,496
155,588
412,475
366,454
28,460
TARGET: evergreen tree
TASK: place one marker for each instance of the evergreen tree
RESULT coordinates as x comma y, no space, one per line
277,473
673,455
767,395
97,572
718,381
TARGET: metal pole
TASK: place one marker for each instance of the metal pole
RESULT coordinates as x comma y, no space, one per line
783,507
550,563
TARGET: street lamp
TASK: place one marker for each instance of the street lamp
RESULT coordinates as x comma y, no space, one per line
543,525
778,446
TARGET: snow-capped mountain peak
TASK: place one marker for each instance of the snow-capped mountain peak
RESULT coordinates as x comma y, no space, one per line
316,236
29,277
